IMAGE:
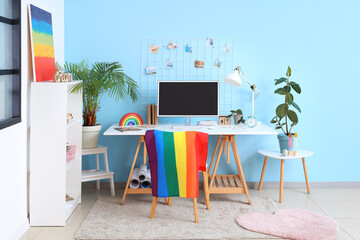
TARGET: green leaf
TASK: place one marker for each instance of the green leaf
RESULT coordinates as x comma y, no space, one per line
293,124
273,121
292,116
288,72
281,110
278,127
289,98
295,106
280,91
280,80
296,87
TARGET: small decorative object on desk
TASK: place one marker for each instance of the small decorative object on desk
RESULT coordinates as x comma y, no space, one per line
70,152
69,117
285,152
284,115
127,129
238,116
150,70
172,45
131,119
199,64
62,77
154,49
224,120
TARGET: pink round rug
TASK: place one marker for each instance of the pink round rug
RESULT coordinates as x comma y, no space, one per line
292,224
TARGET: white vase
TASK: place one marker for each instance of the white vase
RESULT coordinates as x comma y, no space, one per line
90,136
237,117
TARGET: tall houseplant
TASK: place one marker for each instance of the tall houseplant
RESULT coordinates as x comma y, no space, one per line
284,113
102,78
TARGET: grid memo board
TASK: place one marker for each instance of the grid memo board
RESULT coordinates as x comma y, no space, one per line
183,66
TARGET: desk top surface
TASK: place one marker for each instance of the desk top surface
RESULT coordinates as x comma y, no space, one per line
275,153
260,129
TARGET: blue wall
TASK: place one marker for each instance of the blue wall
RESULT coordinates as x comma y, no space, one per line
319,40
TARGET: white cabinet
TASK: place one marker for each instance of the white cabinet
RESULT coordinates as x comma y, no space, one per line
52,175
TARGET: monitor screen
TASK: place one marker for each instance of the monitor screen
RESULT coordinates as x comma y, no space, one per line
188,98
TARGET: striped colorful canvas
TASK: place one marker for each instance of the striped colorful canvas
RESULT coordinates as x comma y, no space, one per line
42,44
175,160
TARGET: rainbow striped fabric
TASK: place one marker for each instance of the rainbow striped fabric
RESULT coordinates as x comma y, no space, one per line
42,44
175,160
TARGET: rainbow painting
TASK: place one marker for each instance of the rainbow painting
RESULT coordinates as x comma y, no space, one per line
42,44
131,119
175,161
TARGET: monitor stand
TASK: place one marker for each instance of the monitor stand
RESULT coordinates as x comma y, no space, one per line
187,121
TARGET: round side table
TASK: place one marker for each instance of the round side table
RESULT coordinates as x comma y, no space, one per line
277,155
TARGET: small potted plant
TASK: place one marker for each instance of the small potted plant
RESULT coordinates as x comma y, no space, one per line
102,78
238,116
284,113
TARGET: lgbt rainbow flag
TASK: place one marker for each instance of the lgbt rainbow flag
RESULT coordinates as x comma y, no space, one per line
175,160
42,44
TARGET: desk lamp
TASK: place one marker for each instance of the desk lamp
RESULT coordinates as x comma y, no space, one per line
234,80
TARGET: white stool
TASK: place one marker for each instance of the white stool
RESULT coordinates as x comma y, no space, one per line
97,174
277,155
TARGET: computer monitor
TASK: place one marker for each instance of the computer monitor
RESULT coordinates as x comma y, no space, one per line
188,98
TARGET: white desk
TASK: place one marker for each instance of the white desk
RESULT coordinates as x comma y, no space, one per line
216,184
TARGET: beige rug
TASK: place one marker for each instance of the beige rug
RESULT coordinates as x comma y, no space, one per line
109,220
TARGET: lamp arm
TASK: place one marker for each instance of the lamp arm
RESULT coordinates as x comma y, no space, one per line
242,75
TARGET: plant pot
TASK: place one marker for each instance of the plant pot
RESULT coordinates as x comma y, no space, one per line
237,117
90,136
284,142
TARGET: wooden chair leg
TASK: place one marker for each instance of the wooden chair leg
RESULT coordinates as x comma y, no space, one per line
169,201
97,168
306,177
262,173
281,180
165,201
153,207
196,210
206,189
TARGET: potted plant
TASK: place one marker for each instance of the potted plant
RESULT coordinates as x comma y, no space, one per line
102,78
238,116
285,115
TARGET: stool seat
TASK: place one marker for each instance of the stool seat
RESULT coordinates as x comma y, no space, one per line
275,153
98,174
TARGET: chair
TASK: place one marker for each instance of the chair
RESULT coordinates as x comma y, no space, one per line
175,160
97,174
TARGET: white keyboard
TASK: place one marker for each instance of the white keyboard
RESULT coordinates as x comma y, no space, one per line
183,127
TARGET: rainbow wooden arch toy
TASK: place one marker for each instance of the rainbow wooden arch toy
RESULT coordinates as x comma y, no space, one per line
131,119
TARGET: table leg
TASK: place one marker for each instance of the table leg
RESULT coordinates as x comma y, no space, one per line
262,173
217,162
239,167
145,153
306,177
132,168
214,154
228,150
282,180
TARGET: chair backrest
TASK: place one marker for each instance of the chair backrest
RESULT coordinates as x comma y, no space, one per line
175,160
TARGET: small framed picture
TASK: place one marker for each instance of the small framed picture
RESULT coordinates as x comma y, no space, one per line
154,49
169,64
224,120
199,64
150,70
172,45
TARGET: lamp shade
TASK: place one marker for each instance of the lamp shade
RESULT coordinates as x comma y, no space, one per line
233,79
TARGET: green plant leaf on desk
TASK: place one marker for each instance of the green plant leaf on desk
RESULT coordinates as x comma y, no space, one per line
288,72
281,110
289,97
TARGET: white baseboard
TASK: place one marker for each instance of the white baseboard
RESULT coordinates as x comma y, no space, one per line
254,185
19,231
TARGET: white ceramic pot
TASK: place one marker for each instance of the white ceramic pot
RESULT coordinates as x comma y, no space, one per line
237,117
90,136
